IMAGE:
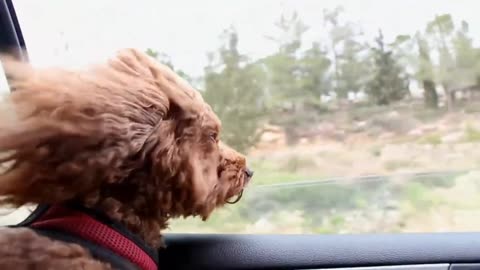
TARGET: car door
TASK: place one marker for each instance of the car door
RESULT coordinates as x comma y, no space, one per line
352,216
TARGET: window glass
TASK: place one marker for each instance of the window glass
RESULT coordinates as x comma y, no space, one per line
357,116
8,216
4,88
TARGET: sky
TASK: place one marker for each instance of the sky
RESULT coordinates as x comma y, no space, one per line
75,33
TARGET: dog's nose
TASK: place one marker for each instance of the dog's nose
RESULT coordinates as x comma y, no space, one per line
248,173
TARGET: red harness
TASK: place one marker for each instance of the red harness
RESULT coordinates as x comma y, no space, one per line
86,227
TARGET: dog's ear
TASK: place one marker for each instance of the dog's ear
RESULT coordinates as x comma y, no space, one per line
204,165
63,134
173,86
183,173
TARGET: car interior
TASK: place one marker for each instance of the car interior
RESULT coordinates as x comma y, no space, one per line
425,251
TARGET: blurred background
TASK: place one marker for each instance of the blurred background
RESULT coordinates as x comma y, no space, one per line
357,116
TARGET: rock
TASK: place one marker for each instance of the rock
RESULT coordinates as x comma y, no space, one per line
359,126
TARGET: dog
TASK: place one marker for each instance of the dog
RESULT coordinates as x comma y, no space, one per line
110,154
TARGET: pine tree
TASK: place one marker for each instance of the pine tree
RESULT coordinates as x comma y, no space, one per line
234,89
388,83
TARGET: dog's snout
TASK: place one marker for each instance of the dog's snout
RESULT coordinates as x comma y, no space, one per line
248,173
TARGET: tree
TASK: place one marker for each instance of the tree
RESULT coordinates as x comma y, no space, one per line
234,88
291,30
297,78
283,69
441,30
424,72
457,65
337,34
388,83
466,57
414,52
349,67
353,69
313,77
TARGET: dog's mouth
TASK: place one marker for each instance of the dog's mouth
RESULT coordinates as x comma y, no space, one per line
237,199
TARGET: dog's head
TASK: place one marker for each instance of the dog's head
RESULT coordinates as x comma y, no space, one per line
130,137
188,157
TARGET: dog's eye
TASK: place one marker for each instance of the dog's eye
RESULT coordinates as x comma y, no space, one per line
213,136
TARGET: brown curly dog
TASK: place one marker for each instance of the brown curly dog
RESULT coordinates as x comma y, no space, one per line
128,138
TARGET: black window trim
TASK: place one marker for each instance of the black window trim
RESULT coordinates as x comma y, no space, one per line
11,39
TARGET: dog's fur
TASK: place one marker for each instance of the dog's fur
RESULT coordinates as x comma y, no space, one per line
128,137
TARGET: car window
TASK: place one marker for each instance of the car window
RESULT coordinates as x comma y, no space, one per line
8,216
357,116
4,87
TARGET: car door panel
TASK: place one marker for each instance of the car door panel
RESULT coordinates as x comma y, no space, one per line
220,251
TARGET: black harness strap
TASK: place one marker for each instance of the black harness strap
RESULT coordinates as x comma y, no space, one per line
98,252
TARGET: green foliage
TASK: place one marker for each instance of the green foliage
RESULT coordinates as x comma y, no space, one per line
296,80
393,165
440,30
472,134
296,163
433,139
328,207
467,66
291,30
283,69
442,24
290,86
269,172
388,83
444,181
353,69
418,195
424,69
234,88
313,76
350,68
376,151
